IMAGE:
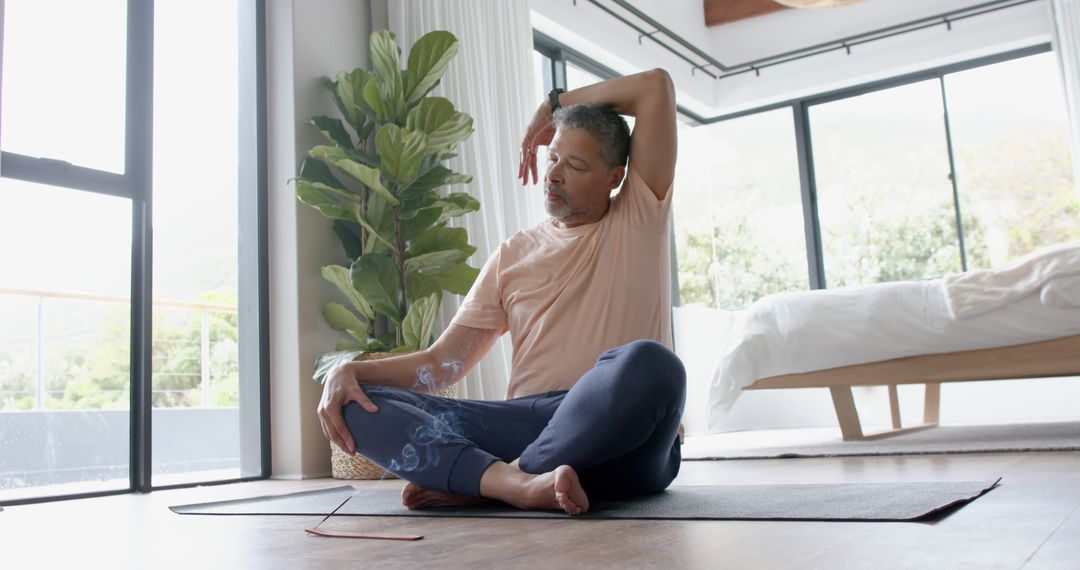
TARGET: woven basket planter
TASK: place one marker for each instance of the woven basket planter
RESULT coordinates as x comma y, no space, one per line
345,466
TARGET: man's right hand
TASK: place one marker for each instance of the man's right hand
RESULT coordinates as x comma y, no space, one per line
341,387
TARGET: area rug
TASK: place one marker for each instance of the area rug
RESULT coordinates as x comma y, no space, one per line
832,502
1060,436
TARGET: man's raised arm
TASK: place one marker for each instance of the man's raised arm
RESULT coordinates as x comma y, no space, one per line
649,97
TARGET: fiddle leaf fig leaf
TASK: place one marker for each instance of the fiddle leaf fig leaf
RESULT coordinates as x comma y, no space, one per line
444,127
456,204
423,220
314,170
366,175
333,130
339,277
428,59
419,324
376,278
380,217
347,90
377,234
386,64
340,318
434,177
436,259
348,233
330,202
372,99
440,239
457,279
401,151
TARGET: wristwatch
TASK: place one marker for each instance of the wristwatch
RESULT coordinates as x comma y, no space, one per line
553,98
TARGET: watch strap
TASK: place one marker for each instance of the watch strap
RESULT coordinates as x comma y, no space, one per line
553,98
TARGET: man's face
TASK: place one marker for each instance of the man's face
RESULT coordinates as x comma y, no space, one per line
578,183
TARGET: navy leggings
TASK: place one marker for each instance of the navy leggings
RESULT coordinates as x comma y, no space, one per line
617,427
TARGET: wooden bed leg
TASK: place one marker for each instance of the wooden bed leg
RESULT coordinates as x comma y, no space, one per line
932,406
894,406
846,412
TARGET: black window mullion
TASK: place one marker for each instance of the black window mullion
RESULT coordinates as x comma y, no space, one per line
815,262
253,315
60,173
952,175
138,161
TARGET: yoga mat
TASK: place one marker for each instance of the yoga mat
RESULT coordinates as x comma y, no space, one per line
836,502
1057,436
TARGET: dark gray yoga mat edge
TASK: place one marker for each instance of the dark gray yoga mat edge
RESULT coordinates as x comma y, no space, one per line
883,502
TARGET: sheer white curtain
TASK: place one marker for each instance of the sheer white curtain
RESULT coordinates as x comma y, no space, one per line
492,80
1066,39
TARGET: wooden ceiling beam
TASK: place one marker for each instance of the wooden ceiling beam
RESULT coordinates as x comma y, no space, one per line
719,12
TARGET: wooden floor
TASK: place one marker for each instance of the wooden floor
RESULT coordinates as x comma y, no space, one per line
1031,521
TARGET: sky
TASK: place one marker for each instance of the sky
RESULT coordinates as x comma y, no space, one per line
63,98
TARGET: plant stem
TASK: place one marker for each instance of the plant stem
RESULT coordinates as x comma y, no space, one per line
399,257
364,191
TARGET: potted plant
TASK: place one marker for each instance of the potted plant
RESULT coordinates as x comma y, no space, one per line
376,178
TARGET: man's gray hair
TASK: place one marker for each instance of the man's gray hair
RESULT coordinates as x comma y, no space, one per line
604,124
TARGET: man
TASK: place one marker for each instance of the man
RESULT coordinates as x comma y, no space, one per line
593,281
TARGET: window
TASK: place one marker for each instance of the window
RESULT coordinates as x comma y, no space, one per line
65,104
738,212
968,169
1014,174
65,324
577,77
884,195
115,340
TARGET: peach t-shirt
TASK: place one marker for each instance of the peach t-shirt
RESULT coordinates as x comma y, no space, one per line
567,295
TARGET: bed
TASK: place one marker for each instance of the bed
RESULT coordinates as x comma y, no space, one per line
1020,321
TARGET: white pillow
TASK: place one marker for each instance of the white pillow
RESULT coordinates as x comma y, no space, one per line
1061,293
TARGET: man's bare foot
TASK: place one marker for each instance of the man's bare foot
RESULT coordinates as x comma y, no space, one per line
415,497
555,490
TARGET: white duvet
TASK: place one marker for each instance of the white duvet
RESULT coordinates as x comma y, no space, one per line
814,330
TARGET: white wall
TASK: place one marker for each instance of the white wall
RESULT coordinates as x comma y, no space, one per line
305,41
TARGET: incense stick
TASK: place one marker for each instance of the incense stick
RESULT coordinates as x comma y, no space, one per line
315,530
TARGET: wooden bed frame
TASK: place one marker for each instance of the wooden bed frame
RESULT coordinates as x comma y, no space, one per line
1058,357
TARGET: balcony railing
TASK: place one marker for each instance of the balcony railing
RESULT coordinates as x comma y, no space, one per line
204,312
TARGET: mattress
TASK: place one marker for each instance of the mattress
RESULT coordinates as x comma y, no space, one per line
797,332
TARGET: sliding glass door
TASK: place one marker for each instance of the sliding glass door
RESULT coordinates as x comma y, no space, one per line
130,351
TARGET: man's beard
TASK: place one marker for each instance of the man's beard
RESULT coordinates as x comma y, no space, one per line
558,209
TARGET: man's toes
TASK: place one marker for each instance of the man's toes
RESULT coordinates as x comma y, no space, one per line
569,492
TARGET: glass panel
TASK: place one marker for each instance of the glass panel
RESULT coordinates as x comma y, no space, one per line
541,71
884,196
738,211
577,77
1011,145
196,124
65,326
63,88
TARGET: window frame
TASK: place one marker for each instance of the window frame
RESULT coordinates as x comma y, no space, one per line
136,184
